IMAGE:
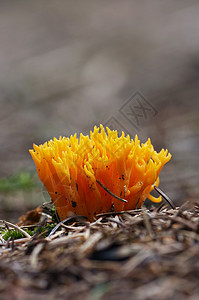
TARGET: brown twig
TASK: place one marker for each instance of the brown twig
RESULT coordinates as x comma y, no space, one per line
39,228
132,211
169,201
116,222
65,221
17,228
108,191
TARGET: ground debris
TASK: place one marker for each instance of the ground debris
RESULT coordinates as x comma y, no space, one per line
141,254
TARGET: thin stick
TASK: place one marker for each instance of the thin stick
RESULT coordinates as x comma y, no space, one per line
64,221
169,201
147,223
116,222
36,234
114,213
108,191
17,228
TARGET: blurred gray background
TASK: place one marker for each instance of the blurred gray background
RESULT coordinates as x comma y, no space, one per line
68,65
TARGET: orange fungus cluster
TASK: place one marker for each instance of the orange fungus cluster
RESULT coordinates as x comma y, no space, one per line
71,169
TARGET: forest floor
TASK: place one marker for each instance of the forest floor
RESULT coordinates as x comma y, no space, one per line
141,254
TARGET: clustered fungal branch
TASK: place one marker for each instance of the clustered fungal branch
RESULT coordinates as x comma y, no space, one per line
89,174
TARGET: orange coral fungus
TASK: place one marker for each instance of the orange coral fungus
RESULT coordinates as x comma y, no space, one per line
72,168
